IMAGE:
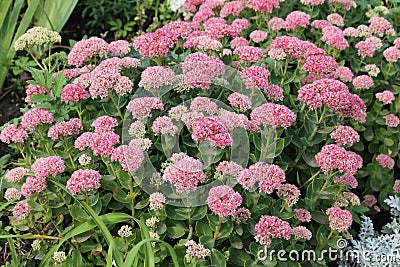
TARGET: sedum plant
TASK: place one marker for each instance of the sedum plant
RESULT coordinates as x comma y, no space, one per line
248,127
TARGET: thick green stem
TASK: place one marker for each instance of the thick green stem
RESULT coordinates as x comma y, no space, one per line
218,229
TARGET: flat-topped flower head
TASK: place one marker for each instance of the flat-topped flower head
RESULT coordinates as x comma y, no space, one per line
130,157
35,117
273,115
49,166
223,200
36,37
83,180
65,128
12,133
385,161
185,174
386,97
156,77
345,135
392,120
339,220
270,227
104,124
84,50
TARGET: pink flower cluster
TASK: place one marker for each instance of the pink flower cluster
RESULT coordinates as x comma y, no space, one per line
274,115
345,4
320,23
17,174
119,48
141,107
249,53
392,54
363,82
107,76
396,187
301,233
258,36
196,250
255,77
104,124
296,19
49,166
202,42
83,180
344,74
346,179
273,92
335,157
289,193
211,128
12,194
269,177
264,6
185,173
339,220
336,96
365,49
74,93
21,209
240,101
33,184
336,19
276,23
35,117
369,201
380,26
302,215
11,133
334,37
295,47
320,64
386,97
229,168
231,8
392,120
345,135
157,201
270,227
223,200
130,157
101,143
87,49
238,42
153,44
385,161
203,104
200,70
34,90
164,125
68,128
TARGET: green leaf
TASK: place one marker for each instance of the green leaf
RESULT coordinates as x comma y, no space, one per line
179,214
40,98
176,229
217,258
59,82
77,258
238,256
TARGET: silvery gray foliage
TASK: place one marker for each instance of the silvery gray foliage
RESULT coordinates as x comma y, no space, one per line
372,248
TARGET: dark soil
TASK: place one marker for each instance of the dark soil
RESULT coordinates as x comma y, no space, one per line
10,103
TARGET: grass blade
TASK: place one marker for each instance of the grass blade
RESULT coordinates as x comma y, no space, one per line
14,254
132,255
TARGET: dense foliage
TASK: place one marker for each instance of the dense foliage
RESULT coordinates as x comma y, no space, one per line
251,124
